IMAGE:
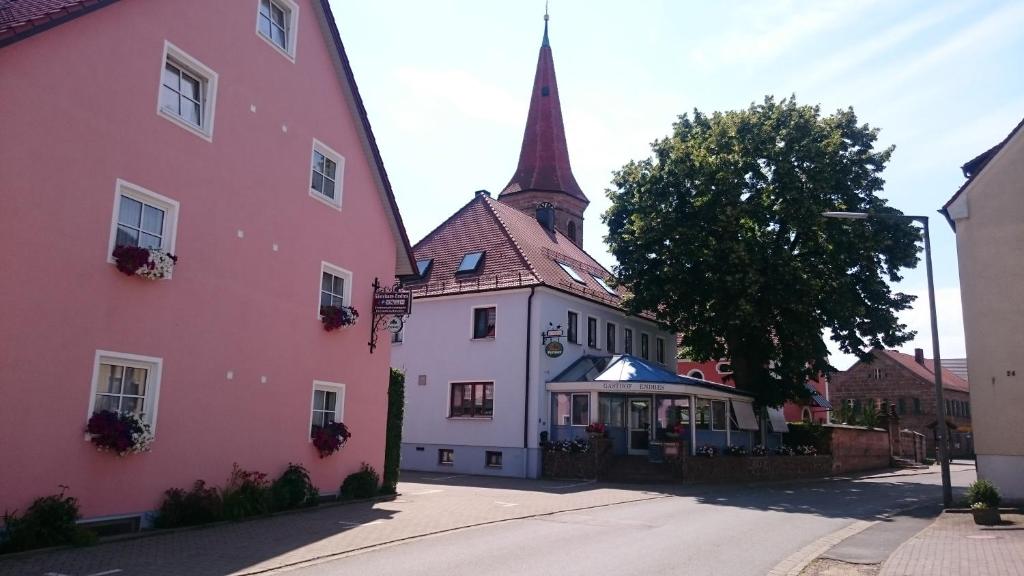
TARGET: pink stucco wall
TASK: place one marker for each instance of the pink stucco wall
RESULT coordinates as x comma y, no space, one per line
78,104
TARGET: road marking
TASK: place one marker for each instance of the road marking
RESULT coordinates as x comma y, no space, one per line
505,504
353,524
107,573
422,492
55,574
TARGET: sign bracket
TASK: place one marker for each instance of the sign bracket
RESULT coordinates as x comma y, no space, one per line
388,304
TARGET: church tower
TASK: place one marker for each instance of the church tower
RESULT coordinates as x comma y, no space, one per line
543,180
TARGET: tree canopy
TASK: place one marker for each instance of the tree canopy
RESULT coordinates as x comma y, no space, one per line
720,235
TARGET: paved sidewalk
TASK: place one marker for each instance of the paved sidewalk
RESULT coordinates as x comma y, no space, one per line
955,546
424,507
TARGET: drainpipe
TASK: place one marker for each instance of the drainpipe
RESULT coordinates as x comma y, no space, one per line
526,401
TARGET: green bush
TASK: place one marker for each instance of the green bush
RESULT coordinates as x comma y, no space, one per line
48,521
809,434
293,489
200,505
362,484
393,443
983,492
247,494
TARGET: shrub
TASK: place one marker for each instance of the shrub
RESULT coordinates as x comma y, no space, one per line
247,494
362,484
809,434
200,505
983,492
393,446
48,521
293,489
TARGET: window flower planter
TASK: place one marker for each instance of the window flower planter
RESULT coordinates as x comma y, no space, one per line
120,432
330,438
335,317
145,262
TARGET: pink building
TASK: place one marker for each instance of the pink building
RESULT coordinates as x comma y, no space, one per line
232,135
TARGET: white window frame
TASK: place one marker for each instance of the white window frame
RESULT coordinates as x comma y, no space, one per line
152,364
448,400
208,81
291,14
572,404
578,341
659,350
645,336
614,328
597,332
339,406
695,373
472,323
346,298
170,207
339,181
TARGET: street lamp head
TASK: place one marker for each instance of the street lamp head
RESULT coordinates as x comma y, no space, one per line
846,215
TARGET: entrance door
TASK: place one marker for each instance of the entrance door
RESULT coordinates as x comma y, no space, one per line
639,425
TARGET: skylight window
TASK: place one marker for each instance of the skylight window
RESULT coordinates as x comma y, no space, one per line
572,273
423,266
605,285
470,262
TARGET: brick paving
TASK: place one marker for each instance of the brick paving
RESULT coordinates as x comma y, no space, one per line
955,546
265,544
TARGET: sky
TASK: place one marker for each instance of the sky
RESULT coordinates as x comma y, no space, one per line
447,86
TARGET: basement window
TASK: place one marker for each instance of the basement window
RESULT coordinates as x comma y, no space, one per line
471,262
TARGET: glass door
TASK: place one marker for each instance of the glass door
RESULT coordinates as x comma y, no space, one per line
639,425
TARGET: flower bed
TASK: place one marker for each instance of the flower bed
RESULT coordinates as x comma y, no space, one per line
578,458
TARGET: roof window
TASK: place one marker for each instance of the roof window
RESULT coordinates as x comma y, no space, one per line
423,266
605,285
572,273
471,262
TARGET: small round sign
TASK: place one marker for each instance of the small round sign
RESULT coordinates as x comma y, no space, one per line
553,349
395,325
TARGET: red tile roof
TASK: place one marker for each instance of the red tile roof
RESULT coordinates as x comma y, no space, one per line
544,158
22,18
519,252
949,379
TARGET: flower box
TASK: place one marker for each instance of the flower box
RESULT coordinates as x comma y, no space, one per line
330,438
145,262
986,516
335,317
120,432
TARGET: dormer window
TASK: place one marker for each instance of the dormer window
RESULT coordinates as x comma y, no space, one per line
605,285
471,262
572,273
423,266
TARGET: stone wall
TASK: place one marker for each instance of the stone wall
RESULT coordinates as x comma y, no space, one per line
751,468
855,448
585,465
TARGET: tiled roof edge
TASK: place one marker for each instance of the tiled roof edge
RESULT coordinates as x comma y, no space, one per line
504,228
44,22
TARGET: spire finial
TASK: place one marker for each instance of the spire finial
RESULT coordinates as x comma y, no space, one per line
546,17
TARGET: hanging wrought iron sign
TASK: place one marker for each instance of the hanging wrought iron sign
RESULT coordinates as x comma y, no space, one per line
554,349
390,307
551,339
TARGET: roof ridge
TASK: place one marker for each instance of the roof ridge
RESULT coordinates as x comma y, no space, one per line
508,234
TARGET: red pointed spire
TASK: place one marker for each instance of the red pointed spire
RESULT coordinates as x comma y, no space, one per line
544,158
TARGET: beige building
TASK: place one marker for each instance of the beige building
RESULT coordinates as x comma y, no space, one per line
987,214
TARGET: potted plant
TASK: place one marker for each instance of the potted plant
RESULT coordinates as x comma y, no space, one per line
148,263
984,499
335,317
707,451
120,432
597,430
330,438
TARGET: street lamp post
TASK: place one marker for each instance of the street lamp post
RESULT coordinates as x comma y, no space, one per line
940,408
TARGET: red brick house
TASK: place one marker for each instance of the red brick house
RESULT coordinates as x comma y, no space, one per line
908,382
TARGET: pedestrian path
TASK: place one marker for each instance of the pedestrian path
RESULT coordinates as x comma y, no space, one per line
955,546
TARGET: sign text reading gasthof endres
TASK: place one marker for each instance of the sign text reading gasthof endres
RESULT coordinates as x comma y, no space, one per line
633,386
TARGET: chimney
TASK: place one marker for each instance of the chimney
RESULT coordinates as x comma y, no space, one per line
546,216
919,356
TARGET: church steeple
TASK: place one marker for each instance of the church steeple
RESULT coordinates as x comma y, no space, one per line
544,175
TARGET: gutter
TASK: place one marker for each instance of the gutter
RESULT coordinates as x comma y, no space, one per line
526,401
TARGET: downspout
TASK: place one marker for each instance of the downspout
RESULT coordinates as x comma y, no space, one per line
526,401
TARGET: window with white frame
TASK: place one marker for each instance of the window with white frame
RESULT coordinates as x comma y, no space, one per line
188,92
126,383
327,172
142,218
472,400
659,350
645,348
581,409
335,286
572,327
627,340
328,405
276,22
609,337
592,332
484,322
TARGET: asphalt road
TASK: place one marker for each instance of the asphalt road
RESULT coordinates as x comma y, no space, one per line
735,531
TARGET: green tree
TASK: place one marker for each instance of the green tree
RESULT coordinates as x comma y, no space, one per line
720,235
